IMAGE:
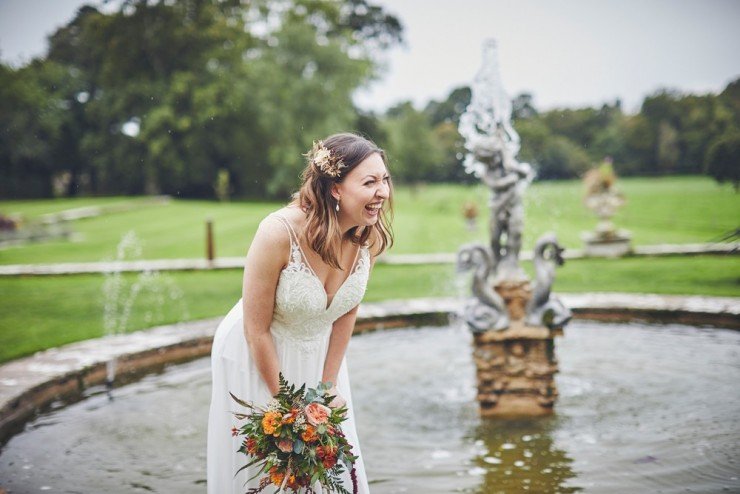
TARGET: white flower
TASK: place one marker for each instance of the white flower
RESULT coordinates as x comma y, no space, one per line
299,424
273,406
321,157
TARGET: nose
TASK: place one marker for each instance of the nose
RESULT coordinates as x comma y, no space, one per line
383,191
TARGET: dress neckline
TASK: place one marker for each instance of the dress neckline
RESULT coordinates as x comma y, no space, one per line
295,243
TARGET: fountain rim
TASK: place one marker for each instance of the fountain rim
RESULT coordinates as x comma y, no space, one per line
32,384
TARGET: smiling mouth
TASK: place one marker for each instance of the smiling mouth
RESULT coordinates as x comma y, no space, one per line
374,208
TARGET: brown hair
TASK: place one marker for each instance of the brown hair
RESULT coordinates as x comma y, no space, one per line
322,231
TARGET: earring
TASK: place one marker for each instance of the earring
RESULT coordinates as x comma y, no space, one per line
337,208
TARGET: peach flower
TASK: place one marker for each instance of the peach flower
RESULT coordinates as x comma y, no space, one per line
316,413
285,445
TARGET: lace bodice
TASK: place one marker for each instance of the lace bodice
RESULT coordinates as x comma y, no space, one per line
301,313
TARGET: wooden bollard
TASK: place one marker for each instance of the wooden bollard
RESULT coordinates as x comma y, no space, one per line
210,251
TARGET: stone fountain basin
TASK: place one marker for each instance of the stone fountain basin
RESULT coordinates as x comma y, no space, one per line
61,375
642,408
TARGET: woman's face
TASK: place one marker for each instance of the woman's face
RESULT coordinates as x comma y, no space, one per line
362,192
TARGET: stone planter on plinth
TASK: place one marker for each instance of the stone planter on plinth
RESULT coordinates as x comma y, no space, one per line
515,367
603,198
617,243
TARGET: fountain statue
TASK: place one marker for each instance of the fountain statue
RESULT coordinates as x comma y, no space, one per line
603,198
513,323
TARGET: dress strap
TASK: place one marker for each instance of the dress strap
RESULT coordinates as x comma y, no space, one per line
355,262
297,254
288,228
362,260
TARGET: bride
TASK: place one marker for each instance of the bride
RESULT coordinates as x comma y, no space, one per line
304,277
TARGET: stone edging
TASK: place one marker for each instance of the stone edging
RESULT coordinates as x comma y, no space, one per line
394,259
33,383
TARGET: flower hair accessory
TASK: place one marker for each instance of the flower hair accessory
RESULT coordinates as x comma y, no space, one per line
322,157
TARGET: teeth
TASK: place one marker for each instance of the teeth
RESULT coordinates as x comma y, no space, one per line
374,206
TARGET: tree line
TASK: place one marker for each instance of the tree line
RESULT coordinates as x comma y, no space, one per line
673,133
218,98
170,97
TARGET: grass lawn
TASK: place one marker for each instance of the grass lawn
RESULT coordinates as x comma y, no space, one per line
427,220
44,312
38,313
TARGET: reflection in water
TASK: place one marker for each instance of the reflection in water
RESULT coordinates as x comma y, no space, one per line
520,455
641,409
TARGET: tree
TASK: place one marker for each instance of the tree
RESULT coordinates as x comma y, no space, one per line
667,149
723,158
161,96
561,158
413,151
450,109
34,118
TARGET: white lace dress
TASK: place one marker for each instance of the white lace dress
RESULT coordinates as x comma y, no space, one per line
301,326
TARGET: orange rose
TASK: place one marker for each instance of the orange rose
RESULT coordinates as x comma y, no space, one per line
290,417
316,413
309,435
276,476
271,423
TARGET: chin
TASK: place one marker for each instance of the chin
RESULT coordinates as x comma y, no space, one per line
369,221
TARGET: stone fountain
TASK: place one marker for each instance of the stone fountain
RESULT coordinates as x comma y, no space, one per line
514,322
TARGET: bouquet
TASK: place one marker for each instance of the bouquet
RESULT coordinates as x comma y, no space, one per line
296,440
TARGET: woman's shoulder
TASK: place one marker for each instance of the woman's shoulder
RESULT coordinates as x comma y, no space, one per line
274,229
292,215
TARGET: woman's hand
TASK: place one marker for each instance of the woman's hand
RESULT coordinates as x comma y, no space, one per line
338,400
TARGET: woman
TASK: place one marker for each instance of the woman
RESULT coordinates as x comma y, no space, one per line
304,276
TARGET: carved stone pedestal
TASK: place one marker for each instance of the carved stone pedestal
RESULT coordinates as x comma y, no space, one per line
516,366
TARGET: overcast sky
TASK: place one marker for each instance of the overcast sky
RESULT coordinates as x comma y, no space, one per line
566,53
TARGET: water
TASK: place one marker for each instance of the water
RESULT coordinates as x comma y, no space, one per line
121,292
641,409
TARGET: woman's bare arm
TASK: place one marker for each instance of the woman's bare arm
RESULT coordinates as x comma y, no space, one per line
340,335
265,259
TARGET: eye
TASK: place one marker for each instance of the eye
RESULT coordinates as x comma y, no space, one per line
386,179
370,182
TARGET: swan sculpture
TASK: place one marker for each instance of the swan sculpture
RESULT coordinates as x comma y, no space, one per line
544,308
487,310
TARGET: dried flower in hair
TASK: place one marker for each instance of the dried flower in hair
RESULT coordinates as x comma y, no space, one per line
322,157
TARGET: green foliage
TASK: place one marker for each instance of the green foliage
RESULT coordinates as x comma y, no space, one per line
723,158
561,158
161,97
222,186
450,109
413,151
158,97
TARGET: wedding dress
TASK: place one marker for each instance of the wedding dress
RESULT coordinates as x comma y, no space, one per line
301,326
